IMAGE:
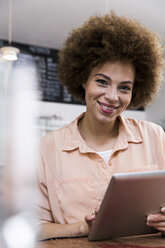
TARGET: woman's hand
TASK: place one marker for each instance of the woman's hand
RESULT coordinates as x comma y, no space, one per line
89,219
157,221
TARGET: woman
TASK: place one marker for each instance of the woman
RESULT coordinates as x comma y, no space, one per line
111,63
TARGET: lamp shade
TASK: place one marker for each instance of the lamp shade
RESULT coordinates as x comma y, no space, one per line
9,53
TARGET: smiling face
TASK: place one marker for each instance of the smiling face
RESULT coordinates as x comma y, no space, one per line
108,90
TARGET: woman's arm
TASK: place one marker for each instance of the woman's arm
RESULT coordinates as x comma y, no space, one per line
54,230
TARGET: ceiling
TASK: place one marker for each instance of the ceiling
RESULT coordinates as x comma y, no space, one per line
48,22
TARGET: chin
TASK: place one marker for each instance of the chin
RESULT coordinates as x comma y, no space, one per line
106,120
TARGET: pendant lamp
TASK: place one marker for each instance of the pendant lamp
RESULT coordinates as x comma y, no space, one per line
9,52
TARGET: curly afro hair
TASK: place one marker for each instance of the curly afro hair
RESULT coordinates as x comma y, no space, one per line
110,37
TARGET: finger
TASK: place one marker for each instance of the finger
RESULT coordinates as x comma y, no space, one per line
89,219
163,210
158,224
96,210
161,229
155,218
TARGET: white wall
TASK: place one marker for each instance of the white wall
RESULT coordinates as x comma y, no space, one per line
70,111
52,116
156,111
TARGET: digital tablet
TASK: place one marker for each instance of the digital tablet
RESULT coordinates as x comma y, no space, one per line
129,199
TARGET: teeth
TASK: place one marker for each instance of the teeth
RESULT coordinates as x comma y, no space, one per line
106,107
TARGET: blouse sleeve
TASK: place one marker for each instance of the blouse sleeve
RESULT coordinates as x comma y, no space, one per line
44,213
164,141
161,146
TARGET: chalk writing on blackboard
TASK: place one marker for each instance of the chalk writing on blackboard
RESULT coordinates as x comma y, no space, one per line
46,61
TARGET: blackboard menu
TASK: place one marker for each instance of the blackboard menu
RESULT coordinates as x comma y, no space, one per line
46,60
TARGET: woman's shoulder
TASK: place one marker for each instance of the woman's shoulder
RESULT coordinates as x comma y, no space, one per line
59,136
144,126
55,134
67,132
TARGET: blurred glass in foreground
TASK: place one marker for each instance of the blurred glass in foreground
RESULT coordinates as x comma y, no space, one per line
18,101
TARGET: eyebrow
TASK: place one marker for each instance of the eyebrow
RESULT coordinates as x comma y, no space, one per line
108,78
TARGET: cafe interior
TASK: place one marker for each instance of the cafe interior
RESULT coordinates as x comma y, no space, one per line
33,103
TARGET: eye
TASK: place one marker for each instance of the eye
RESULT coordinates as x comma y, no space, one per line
101,81
125,88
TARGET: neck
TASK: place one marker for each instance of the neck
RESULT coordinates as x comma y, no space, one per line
97,135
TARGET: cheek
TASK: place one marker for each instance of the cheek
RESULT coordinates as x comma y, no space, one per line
127,99
92,93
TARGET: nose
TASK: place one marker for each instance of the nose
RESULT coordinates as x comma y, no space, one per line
111,94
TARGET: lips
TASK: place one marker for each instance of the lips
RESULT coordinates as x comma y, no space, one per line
107,106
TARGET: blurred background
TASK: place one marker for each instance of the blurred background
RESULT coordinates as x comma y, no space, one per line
39,28
47,23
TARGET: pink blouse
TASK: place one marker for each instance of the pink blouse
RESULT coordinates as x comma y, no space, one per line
72,178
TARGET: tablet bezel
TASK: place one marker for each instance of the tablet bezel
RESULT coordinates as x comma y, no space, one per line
129,199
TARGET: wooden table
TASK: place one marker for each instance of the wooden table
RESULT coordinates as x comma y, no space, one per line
147,241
